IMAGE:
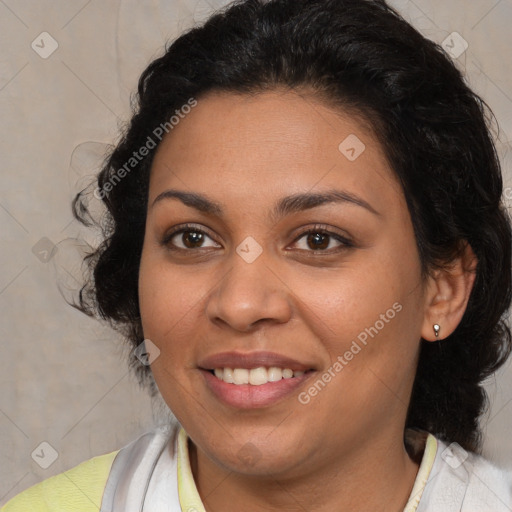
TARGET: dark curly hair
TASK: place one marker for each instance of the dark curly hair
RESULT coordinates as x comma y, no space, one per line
363,57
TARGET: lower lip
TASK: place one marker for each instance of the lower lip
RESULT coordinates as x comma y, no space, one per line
249,396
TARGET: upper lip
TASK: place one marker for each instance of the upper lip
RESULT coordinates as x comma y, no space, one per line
251,360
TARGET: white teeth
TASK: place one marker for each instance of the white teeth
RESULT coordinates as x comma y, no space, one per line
228,376
287,373
274,374
255,376
258,376
240,376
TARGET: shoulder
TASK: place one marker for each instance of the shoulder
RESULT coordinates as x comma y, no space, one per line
79,488
488,484
462,481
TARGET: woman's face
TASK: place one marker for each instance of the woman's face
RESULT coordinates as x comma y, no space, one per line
246,283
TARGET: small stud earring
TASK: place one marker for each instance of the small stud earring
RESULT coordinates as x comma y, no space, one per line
437,328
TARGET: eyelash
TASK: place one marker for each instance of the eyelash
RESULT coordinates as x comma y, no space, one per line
316,229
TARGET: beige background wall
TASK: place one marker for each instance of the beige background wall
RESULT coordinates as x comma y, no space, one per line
62,378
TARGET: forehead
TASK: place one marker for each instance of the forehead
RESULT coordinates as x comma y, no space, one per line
276,141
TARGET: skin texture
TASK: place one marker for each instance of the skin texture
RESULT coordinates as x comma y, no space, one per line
344,449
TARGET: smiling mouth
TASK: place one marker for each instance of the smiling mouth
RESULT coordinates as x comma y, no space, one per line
256,376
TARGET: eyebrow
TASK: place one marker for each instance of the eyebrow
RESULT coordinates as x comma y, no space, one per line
284,206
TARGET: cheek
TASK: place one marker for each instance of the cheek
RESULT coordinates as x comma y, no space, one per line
350,299
166,301
158,300
171,300
368,313
367,331
164,293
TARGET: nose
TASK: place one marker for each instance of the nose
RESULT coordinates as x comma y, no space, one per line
249,294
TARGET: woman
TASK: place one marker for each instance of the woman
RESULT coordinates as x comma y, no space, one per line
308,252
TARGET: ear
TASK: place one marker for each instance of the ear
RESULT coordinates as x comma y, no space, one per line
447,294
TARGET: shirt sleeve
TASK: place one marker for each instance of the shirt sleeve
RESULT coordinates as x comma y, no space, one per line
79,489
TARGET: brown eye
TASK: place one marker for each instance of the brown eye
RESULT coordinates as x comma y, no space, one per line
192,238
187,238
319,239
